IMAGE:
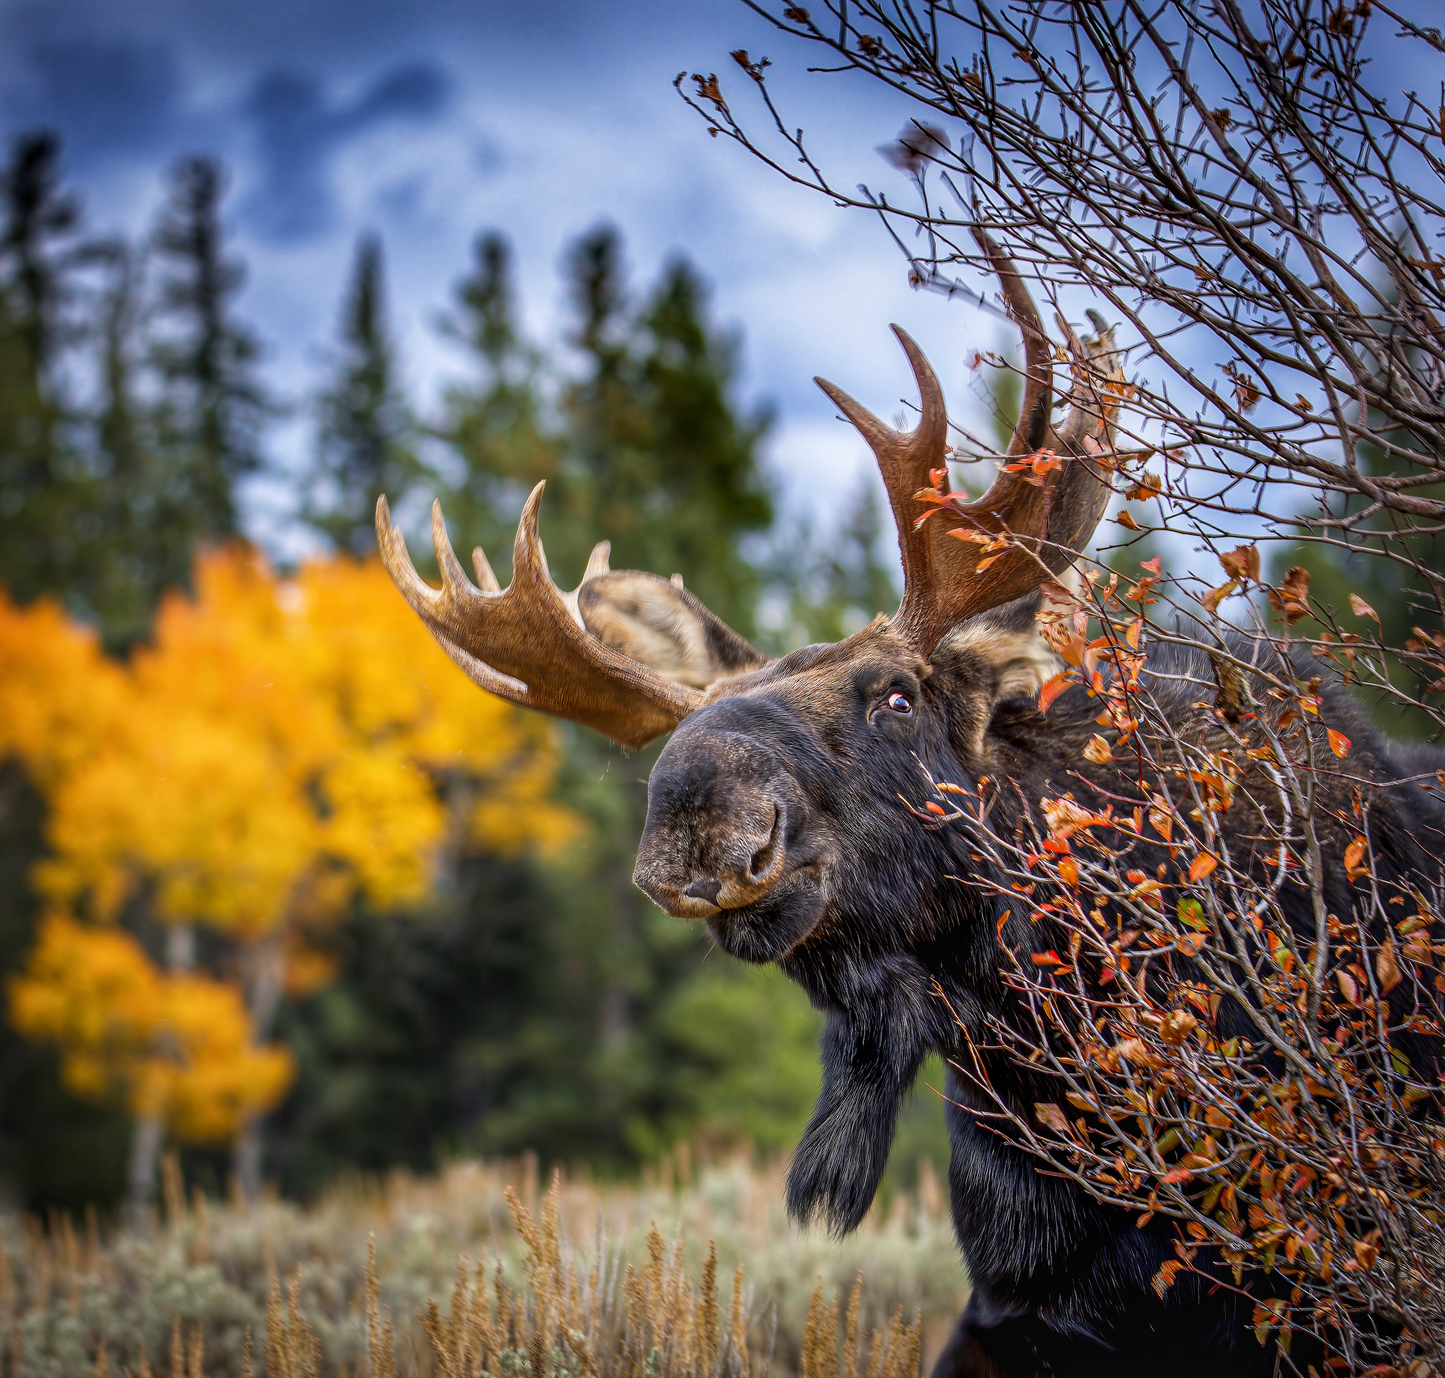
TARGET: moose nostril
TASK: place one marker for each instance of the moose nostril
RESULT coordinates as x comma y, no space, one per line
762,859
707,889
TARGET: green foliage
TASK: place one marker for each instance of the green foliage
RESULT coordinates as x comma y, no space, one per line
1389,564
497,424
214,406
365,432
40,489
106,493
740,1052
646,448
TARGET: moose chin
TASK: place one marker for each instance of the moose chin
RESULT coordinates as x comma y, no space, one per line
774,816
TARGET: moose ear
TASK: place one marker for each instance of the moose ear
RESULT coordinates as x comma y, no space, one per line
1008,642
659,623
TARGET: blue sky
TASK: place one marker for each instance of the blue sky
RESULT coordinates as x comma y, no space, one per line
430,121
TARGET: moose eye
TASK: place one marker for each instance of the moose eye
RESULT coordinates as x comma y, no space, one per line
898,702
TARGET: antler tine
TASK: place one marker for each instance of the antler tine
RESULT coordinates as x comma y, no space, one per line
1033,422
904,458
455,584
1038,518
397,559
527,643
486,579
597,561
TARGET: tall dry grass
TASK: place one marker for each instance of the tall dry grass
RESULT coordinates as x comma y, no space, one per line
689,1274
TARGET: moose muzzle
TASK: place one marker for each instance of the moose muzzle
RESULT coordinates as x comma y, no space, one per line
727,838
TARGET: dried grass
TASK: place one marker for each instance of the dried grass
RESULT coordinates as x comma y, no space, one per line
470,1273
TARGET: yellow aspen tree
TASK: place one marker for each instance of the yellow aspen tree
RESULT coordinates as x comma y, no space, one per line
284,745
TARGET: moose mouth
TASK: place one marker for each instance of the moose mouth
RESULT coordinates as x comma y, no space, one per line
772,926
758,908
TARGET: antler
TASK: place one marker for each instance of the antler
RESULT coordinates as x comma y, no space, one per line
527,644
945,578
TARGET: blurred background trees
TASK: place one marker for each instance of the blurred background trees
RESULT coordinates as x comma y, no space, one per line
281,887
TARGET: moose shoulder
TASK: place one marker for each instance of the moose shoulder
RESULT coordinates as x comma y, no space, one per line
774,816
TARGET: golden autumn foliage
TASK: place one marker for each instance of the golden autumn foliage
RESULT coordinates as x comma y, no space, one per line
58,692
176,1046
282,746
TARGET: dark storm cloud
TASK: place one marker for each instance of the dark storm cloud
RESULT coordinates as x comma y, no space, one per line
298,131
108,96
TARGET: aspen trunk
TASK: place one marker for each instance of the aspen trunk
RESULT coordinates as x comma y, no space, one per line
149,1134
145,1151
264,976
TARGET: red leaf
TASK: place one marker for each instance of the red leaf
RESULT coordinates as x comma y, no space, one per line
1047,959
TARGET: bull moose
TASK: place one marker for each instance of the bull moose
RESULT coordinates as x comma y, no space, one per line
774,816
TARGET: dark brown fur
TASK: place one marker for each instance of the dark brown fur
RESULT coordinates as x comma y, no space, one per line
800,767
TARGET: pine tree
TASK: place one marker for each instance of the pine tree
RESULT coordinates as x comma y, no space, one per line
497,425
659,459
40,486
215,406
364,443
644,445
140,536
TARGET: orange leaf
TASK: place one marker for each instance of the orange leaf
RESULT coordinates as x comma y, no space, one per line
1291,599
1047,959
1164,1278
1241,563
1339,743
1175,1027
1097,750
1127,521
935,808
1347,986
1216,596
1386,968
1048,1113
1354,854
1052,688
1201,866
1069,871
1360,608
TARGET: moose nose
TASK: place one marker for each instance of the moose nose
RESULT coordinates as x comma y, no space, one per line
719,813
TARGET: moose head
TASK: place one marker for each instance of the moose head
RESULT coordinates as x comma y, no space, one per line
773,811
